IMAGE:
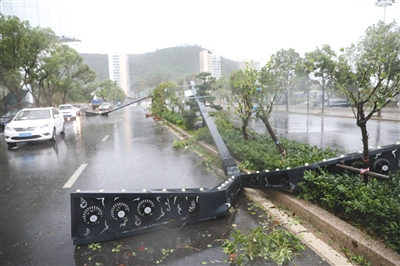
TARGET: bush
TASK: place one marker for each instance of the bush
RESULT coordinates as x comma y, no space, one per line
374,206
174,118
205,135
261,152
189,118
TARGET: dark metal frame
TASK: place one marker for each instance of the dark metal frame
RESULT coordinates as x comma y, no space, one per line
101,216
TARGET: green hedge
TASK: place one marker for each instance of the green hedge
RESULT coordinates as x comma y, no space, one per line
261,152
374,206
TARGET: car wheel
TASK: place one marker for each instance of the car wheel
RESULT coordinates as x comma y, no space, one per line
10,145
53,137
63,129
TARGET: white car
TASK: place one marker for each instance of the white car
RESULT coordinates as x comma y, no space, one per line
34,124
106,107
68,111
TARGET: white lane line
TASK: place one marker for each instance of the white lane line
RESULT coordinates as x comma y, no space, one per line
105,138
115,125
75,176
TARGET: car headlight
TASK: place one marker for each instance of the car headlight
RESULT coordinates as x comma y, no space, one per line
8,128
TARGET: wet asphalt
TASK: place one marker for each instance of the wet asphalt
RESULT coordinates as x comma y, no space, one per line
338,133
124,150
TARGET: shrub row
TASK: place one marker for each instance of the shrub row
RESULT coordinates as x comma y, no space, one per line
374,206
261,152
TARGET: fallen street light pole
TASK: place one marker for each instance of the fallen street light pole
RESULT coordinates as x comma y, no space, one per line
108,215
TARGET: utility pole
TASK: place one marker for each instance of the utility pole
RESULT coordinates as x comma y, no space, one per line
384,4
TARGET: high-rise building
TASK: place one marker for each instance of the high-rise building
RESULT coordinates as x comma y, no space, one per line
42,13
210,62
251,62
118,67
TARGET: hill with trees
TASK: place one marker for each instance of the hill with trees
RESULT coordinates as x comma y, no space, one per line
174,63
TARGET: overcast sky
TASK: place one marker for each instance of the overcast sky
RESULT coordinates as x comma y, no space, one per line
234,29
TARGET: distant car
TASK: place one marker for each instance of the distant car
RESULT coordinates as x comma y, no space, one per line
5,119
34,124
336,103
68,111
80,108
105,107
303,103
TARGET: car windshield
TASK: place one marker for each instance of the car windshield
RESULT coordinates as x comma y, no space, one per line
33,114
12,113
65,107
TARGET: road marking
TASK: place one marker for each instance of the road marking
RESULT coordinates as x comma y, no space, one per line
105,138
75,176
115,125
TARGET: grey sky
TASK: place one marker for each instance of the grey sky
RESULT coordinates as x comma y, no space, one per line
234,29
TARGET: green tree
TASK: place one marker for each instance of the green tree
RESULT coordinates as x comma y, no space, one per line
368,73
104,89
286,62
21,47
159,97
172,99
239,95
268,96
61,69
116,94
317,64
204,87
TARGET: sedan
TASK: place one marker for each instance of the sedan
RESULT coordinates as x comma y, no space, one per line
5,119
68,111
105,106
337,103
80,108
34,124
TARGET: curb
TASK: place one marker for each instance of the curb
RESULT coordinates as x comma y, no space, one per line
341,232
309,238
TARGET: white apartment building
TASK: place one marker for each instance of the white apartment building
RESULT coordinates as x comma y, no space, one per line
210,62
243,63
118,68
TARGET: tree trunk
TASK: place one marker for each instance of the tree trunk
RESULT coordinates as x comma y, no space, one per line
362,124
287,101
273,136
244,131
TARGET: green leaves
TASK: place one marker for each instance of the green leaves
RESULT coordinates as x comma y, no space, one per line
260,154
277,245
374,206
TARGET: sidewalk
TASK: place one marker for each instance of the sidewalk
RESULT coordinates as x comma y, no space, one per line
387,114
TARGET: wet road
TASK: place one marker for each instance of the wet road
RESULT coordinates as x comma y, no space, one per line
339,133
122,151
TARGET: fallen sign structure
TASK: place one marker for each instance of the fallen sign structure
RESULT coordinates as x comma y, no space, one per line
92,112
101,216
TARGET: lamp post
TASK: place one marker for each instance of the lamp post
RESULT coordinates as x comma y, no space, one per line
384,4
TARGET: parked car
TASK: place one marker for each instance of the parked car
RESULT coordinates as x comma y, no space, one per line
5,119
68,111
336,103
34,124
105,107
80,108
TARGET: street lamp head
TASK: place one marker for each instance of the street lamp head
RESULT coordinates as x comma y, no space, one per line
384,3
